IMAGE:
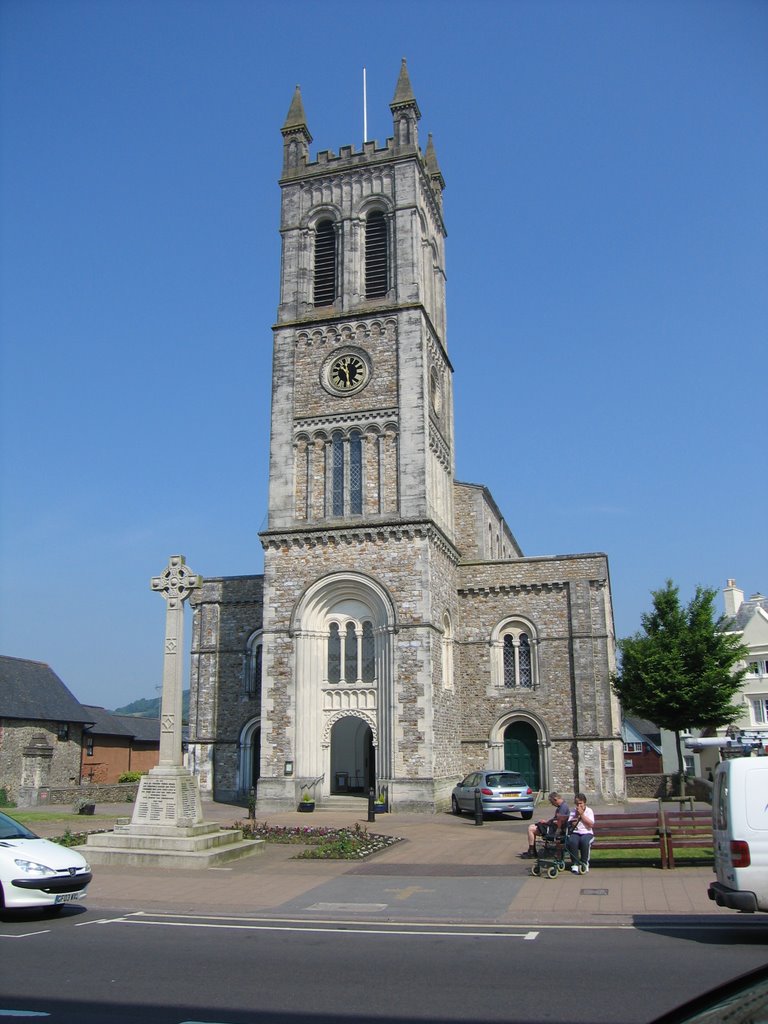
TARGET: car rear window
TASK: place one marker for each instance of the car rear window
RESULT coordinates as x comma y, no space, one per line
505,779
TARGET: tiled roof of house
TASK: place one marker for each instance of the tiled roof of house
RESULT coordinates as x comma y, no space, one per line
32,691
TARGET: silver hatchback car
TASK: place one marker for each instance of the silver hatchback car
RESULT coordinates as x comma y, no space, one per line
500,792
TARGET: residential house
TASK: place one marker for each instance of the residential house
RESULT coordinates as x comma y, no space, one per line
642,747
749,620
114,744
41,730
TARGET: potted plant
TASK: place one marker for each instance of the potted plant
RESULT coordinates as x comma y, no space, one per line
380,805
306,803
84,805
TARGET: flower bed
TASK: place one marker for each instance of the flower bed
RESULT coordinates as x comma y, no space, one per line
323,843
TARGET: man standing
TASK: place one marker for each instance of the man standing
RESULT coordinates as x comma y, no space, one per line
559,820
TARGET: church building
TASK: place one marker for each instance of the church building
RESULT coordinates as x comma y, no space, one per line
398,637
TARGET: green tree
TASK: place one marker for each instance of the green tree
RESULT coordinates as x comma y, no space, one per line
680,671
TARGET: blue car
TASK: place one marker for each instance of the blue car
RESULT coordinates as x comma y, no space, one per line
501,792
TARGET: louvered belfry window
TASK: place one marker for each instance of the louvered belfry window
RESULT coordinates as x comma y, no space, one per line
325,263
375,255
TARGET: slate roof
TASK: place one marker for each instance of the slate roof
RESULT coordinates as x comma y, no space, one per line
745,613
32,691
105,723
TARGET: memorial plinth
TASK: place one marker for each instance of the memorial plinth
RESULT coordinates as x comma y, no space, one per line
167,826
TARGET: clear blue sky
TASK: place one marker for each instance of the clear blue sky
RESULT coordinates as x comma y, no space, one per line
607,208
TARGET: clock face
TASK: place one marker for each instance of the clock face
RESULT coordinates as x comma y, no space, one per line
348,372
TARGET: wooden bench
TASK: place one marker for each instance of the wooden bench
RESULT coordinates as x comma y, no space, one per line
641,831
686,830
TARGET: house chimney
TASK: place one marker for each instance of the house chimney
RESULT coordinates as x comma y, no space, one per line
733,598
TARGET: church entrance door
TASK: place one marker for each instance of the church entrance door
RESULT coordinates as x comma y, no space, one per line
353,763
521,752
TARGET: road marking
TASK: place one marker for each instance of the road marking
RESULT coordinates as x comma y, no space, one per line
411,890
339,928
358,907
23,1013
26,935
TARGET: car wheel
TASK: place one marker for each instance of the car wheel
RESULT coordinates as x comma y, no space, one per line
527,815
455,805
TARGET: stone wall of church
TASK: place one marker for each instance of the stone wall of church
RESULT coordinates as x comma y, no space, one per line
227,611
407,563
568,604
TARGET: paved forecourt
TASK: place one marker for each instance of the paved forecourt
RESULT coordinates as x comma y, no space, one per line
447,869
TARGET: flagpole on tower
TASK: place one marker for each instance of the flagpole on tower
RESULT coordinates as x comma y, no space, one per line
365,110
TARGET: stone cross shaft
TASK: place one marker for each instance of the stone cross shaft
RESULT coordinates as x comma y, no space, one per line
175,583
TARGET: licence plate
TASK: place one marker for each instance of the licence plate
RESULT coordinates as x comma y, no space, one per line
511,796
69,897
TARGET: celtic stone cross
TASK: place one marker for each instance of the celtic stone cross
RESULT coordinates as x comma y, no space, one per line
175,583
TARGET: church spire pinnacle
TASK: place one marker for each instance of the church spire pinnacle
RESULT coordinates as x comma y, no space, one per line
405,111
296,119
296,136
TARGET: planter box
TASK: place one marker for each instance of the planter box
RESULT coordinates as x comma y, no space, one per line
306,806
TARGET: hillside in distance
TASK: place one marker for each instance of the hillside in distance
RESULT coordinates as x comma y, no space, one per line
149,707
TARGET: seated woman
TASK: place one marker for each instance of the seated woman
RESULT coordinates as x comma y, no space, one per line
581,834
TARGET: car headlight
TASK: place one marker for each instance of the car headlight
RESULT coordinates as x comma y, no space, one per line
31,867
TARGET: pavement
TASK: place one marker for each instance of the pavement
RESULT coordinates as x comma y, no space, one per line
447,869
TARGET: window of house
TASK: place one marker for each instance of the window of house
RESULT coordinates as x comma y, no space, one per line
633,748
89,746
759,707
253,663
325,264
757,668
62,731
375,255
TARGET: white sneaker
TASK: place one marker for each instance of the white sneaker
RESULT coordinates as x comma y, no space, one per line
575,869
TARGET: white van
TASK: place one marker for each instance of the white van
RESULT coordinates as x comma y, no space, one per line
740,834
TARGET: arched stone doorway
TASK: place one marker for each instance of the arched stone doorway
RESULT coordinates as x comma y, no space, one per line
521,752
343,628
250,757
353,758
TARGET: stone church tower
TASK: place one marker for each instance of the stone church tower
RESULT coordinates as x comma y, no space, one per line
398,638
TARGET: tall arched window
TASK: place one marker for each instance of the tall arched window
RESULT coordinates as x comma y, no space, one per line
351,652
447,652
325,263
514,665
356,473
376,270
334,654
346,478
253,663
337,454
